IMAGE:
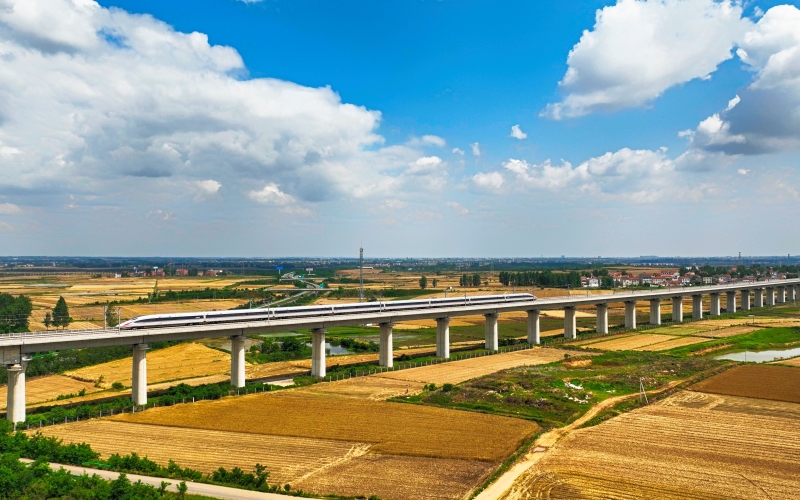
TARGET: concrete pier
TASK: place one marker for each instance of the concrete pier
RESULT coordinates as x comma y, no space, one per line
491,332
237,360
715,309
677,309
770,296
533,327
15,402
746,300
602,318
570,331
386,357
781,299
791,293
630,315
443,338
730,302
697,307
655,311
318,352
139,375
758,295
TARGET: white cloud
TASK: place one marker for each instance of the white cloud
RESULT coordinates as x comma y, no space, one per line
4,226
517,133
91,98
491,181
476,148
765,116
424,165
458,151
271,194
640,48
394,204
205,189
742,171
161,214
9,209
458,207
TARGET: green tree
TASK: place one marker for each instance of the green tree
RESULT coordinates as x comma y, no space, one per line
435,282
48,321
607,282
423,282
61,313
476,280
14,313
111,316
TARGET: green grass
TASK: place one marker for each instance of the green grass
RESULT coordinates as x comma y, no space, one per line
759,340
543,394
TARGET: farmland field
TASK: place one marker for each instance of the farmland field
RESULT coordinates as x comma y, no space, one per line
789,362
48,388
779,383
669,344
391,428
457,372
173,363
631,342
689,446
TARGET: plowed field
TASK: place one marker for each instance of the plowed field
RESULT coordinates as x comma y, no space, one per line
48,388
690,446
173,363
631,343
779,383
394,428
460,371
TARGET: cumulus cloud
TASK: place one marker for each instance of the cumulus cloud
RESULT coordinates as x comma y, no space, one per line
742,171
476,148
92,98
458,151
205,189
9,209
765,116
271,194
517,133
637,49
491,181
458,207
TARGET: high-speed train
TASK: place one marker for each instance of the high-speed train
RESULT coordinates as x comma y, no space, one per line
236,315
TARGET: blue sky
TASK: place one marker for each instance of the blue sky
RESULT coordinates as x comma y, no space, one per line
275,128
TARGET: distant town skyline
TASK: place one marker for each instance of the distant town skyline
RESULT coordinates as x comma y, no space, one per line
422,129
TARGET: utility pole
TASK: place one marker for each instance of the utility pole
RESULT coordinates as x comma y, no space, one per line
361,274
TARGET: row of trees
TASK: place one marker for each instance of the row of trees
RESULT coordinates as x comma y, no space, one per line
541,278
469,280
59,317
423,282
14,313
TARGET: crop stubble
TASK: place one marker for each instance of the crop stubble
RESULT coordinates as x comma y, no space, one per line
690,446
779,383
48,388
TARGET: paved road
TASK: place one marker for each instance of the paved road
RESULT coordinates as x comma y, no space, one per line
208,490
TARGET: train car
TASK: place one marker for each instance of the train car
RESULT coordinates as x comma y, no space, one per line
239,315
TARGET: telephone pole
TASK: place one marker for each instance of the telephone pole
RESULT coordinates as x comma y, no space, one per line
361,274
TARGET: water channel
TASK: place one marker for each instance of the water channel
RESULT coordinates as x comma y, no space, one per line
761,356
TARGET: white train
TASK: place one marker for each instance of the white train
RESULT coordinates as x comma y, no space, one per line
236,315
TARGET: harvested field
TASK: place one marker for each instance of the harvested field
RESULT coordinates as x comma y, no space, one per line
276,369
460,371
48,388
671,344
604,338
173,363
632,342
789,362
287,458
679,330
372,387
400,477
779,383
721,333
393,428
689,446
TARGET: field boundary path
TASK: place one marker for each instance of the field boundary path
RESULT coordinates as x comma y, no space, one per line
501,488
210,490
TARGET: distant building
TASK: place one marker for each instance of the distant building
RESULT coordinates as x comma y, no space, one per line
181,272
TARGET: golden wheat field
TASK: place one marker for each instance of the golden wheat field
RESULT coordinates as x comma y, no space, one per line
780,383
48,388
392,428
460,371
730,331
631,342
671,344
689,446
181,361
371,387
789,362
